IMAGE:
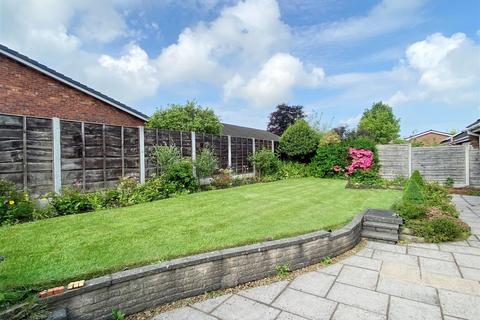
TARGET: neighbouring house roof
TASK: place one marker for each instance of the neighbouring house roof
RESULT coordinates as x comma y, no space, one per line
458,138
238,131
448,135
69,81
475,127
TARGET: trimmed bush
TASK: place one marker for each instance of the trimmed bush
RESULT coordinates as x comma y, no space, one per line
439,229
180,175
413,193
299,141
417,177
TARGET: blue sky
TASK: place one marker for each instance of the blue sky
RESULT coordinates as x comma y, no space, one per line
242,58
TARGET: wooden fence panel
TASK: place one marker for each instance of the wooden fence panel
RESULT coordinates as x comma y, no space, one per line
72,156
131,152
12,150
94,160
39,152
113,169
242,148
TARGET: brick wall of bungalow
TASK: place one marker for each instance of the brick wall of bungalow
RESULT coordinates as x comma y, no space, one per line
431,139
26,91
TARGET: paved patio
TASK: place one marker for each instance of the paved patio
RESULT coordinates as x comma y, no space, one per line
417,281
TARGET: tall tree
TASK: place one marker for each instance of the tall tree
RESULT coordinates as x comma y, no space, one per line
283,117
188,117
380,123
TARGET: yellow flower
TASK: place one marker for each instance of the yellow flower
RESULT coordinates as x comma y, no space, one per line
11,202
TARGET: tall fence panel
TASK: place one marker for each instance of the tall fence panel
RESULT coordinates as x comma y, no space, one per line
394,160
461,163
474,167
440,163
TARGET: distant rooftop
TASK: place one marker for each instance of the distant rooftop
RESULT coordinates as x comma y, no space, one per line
239,131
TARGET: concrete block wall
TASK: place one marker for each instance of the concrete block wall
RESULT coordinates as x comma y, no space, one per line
145,287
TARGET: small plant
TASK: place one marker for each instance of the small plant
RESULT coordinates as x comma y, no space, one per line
71,201
326,261
117,314
282,270
166,156
206,163
449,182
180,175
223,179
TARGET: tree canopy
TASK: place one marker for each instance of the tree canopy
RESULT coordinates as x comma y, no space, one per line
380,123
283,117
188,117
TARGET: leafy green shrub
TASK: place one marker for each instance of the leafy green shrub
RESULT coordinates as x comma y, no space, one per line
437,196
70,201
293,169
366,178
206,163
330,137
282,270
155,188
180,175
410,211
166,156
439,229
15,206
449,182
299,141
328,159
117,314
266,162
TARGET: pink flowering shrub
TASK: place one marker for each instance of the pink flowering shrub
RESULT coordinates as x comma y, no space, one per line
361,159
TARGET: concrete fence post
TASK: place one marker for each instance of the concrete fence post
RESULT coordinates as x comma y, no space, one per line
253,152
273,146
409,159
467,164
57,156
141,151
194,152
229,151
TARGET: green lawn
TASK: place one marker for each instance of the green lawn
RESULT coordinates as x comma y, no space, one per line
79,246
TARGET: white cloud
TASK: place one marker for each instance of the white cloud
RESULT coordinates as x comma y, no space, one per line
274,82
386,17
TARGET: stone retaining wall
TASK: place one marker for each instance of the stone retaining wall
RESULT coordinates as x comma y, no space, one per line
145,287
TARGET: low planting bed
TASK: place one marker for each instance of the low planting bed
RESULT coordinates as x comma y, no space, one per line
55,251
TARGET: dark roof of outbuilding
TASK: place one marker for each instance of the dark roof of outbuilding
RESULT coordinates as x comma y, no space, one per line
474,124
239,131
69,81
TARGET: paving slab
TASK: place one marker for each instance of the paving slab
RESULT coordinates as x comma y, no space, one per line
460,249
333,269
403,309
265,294
305,305
467,260
240,308
434,254
431,246
289,316
365,252
401,272
470,273
358,277
439,266
207,306
386,247
345,312
460,305
186,313
451,283
363,262
394,257
313,282
408,290
360,298
474,243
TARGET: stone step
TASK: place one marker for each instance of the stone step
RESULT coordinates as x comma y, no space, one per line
383,216
383,230
383,225
384,236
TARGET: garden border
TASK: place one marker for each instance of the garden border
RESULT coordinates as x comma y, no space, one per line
145,287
